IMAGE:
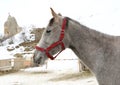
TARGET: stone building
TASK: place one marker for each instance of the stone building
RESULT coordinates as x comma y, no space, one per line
11,27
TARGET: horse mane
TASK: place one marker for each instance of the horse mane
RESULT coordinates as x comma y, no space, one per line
92,33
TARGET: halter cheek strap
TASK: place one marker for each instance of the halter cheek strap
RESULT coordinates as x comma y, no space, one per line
59,42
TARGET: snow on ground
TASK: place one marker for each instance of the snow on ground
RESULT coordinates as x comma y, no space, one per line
58,72
38,76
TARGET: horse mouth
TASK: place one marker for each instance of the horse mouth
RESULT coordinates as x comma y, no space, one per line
35,65
36,62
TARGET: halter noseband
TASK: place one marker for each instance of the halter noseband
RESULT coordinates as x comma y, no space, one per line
59,42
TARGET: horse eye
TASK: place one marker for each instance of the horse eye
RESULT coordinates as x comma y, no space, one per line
48,31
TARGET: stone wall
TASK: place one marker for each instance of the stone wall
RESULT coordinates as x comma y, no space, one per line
38,33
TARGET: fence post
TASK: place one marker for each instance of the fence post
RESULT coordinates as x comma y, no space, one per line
18,63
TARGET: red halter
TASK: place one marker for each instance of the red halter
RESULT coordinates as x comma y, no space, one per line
59,42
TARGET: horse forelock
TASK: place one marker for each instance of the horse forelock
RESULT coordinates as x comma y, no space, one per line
51,21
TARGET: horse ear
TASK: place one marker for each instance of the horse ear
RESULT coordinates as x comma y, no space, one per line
59,14
53,13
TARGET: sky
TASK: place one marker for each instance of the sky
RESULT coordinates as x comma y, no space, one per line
101,15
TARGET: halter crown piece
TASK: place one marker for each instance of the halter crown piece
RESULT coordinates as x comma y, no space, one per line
59,42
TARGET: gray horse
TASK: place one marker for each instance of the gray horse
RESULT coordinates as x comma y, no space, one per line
100,52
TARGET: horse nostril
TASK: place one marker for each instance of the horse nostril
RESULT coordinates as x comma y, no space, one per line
39,59
36,59
38,62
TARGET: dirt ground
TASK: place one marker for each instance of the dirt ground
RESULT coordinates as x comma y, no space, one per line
48,77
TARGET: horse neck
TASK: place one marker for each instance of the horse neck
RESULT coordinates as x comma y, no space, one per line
87,44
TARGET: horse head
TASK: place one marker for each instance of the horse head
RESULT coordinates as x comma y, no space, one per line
53,41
